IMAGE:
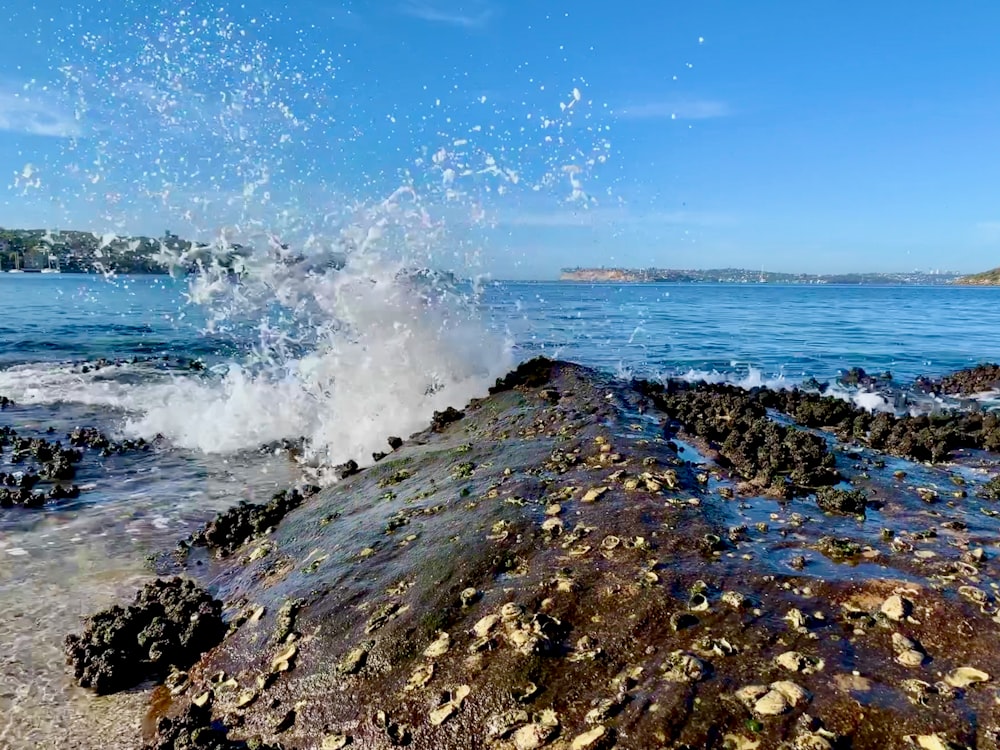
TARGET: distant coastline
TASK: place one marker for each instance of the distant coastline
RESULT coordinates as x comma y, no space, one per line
987,278
747,276
46,251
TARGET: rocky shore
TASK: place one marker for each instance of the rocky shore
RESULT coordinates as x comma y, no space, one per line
987,278
575,563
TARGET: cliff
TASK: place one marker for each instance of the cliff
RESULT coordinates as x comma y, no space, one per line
987,278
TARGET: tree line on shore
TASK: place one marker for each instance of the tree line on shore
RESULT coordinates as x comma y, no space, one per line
84,252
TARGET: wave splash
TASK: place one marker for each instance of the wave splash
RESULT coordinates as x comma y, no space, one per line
347,335
344,348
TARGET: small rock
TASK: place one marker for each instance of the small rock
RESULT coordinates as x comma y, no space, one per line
896,608
500,726
533,736
589,740
910,658
354,661
965,676
794,693
439,647
485,625
793,661
335,742
772,703
420,677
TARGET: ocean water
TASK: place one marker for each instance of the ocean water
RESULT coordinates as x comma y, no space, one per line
344,363
341,345
790,331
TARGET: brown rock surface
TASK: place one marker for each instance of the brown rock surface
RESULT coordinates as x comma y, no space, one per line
461,593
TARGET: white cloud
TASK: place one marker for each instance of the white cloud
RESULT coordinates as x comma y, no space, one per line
473,15
696,109
30,114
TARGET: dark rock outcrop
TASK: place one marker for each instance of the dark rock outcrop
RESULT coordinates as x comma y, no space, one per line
534,373
442,419
984,377
196,730
925,437
771,456
848,502
556,571
170,624
857,377
233,528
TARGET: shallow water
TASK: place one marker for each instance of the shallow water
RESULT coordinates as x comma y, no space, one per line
61,563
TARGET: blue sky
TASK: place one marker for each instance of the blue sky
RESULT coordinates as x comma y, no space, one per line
793,136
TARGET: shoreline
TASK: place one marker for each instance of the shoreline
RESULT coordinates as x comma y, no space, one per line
460,589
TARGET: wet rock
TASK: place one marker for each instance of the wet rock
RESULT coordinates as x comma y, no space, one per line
593,739
990,490
963,677
793,661
347,469
856,377
932,742
846,502
534,373
683,667
897,608
538,733
775,458
985,377
196,730
927,437
170,623
442,419
909,653
590,618
236,526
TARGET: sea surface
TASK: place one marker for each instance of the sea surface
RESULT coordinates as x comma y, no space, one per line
780,330
344,366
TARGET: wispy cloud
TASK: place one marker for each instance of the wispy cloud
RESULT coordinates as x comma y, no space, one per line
688,109
31,114
475,14
610,216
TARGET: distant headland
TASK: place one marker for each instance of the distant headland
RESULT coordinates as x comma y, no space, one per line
747,276
51,251
987,278
42,250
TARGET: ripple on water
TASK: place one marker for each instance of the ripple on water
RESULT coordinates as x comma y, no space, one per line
60,564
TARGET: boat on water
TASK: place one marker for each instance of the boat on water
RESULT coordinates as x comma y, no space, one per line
52,268
17,264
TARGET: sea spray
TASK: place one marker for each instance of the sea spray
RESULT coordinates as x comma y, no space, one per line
322,230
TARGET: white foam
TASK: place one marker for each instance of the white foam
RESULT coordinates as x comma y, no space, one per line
383,362
346,348
382,353
755,378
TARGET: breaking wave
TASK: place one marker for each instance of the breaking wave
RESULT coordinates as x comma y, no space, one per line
351,290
